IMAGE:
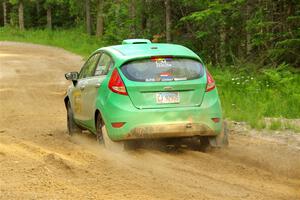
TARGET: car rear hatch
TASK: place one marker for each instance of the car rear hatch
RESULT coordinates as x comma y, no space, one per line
164,82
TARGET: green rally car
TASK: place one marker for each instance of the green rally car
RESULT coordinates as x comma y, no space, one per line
143,90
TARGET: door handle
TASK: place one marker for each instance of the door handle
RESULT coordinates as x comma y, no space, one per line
82,87
97,85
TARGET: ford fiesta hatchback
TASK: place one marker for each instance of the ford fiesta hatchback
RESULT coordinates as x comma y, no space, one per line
143,90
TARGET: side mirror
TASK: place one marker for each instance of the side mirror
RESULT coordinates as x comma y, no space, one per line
72,76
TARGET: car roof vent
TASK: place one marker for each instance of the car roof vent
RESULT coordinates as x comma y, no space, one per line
136,41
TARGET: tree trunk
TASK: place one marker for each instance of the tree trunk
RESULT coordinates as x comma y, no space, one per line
100,19
222,47
4,13
38,13
144,15
290,12
21,15
146,24
117,12
88,16
132,17
248,34
168,20
49,18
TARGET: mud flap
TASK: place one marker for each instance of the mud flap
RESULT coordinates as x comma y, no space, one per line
220,140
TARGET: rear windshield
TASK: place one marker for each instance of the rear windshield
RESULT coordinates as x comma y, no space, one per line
162,69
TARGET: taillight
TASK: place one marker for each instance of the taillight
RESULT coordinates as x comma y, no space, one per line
118,124
215,119
210,85
116,84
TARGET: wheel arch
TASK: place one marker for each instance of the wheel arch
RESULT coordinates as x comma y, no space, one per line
66,100
97,113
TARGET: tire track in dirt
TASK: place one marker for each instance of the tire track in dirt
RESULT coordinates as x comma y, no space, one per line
38,160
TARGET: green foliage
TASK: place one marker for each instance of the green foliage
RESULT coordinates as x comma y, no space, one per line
117,15
50,3
252,95
14,2
222,32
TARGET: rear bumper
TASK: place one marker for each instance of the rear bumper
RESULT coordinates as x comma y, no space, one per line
170,130
161,123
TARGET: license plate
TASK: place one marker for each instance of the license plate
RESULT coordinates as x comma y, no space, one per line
167,97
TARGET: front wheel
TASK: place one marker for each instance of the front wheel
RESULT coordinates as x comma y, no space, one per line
73,128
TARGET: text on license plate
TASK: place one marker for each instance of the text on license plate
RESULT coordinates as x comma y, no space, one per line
167,97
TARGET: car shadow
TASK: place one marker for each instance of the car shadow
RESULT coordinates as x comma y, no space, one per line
167,145
170,145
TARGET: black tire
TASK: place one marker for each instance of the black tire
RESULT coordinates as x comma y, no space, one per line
103,137
224,135
112,145
204,144
209,143
73,128
99,124
221,140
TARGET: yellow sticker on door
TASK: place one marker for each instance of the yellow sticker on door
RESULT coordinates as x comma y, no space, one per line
77,102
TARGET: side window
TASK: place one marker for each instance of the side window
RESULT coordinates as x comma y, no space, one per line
104,65
88,67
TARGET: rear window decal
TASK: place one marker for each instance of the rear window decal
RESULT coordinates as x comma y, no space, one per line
162,62
150,79
166,76
180,79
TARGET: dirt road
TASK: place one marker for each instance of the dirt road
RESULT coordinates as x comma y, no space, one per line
38,160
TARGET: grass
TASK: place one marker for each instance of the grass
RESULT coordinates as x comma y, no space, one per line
282,124
276,125
293,127
247,94
252,95
72,40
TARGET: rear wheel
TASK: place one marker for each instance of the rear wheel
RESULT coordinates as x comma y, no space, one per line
111,145
103,137
219,141
204,144
99,125
73,128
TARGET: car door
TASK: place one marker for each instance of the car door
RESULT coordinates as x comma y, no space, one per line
78,90
92,85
